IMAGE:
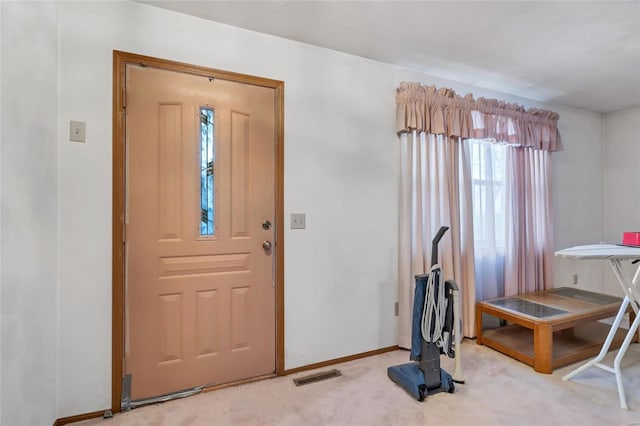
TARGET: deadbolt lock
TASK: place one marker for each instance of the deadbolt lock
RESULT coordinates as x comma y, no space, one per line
266,225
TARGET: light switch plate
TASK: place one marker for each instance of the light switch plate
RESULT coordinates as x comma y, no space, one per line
77,131
297,220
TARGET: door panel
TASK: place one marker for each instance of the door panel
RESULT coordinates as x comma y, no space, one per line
200,308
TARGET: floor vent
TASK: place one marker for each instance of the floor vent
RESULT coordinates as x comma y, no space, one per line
317,377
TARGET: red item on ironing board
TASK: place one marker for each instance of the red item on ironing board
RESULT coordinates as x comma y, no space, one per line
631,239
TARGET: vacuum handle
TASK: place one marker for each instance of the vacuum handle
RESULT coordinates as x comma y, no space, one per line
434,244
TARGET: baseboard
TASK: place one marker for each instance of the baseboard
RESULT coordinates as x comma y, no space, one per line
78,418
341,360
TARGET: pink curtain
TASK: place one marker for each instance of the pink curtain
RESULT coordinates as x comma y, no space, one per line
436,191
529,233
433,194
442,111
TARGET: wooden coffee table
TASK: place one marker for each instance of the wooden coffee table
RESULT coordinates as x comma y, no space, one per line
551,328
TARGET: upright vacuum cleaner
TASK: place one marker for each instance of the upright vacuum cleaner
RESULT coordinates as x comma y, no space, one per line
435,328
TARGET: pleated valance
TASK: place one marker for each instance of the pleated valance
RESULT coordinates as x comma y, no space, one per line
442,111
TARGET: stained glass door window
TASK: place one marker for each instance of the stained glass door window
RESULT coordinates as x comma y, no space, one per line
207,160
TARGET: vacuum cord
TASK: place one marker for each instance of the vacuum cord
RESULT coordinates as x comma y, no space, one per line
434,314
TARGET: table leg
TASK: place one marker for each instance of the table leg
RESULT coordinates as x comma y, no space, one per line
618,360
478,325
543,348
607,342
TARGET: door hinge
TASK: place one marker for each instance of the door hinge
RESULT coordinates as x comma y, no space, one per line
124,228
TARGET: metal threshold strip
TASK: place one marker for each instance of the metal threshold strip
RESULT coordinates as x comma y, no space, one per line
164,398
317,377
127,404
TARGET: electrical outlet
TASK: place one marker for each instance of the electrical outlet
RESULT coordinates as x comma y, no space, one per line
575,279
297,221
77,131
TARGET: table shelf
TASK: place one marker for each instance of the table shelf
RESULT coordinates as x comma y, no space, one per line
569,345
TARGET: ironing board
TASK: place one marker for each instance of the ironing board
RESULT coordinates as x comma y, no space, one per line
615,254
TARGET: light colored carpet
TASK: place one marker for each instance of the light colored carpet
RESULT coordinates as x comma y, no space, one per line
498,391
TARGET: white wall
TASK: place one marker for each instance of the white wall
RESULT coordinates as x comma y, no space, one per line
621,149
28,258
577,196
341,169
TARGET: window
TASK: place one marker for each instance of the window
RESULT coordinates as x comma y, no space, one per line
488,171
207,160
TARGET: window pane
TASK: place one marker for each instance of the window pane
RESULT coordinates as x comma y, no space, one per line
207,159
488,181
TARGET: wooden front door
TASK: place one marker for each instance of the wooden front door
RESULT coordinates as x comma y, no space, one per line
200,208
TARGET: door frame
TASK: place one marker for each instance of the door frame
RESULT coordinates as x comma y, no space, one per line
120,60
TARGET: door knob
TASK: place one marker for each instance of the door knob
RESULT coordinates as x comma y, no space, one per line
266,245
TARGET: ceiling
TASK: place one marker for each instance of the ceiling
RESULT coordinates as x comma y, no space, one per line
579,54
